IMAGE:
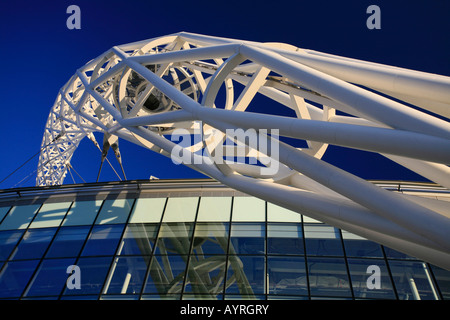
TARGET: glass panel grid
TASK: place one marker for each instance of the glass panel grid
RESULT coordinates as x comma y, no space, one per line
264,260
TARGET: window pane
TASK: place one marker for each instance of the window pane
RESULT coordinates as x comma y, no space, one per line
34,243
103,240
174,238
93,272
3,212
328,277
248,209
166,274
322,240
364,279
181,209
19,217
68,242
214,209
284,238
394,254
279,214
442,277
114,211
211,238
50,215
50,278
287,275
247,238
82,213
356,246
412,280
139,239
205,277
15,276
148,210
246,275
8,240
127,275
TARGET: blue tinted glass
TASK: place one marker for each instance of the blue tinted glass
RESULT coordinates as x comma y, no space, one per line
103,240
362,248
15,276
322,240
68,242
287,275
174,238
247,238
246,275
205,276
328,277
284,239
128,275
412,280
394,254
50,278
370,279
8,240
93,272
442,277
210,238
34,243
166,274
139,239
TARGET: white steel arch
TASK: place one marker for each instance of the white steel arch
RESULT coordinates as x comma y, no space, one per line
146,92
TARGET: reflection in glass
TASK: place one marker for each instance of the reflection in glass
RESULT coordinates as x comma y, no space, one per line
328,277
50,278
205,276
15,276
8,240
412,280
246,275
287,275
50,215
284,238
166,274
103,240
247,238
34,243
210,238
127,275
93,272
360,277
68,242
138,239
82,213
114,211
3,212
19,217
174,238
442,277
356,246
322,240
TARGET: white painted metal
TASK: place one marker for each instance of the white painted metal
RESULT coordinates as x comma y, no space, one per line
207,85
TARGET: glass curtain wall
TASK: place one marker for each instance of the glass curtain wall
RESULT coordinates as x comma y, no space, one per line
196,248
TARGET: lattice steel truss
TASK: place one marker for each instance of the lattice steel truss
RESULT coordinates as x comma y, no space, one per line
146,91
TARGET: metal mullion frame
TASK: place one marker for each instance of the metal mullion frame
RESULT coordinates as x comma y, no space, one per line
152,256
117,253
28,286
84,244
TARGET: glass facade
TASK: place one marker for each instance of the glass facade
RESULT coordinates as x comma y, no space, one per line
210,246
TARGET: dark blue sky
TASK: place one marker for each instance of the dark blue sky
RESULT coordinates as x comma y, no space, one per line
39,54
